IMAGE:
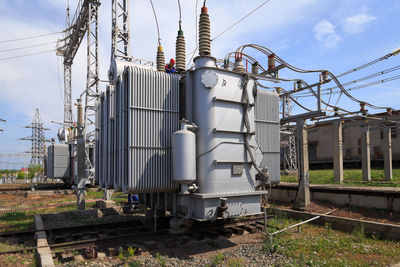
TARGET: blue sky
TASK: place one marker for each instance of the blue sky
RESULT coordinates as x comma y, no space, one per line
311,34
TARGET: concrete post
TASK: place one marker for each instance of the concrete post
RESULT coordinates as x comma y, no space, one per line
107,193
303,194
387,153
337,128
365,154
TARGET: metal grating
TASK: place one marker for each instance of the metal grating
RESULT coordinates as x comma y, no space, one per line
137,120
267,132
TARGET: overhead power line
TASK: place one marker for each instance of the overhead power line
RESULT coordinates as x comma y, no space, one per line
25,47
396,77
393,53
227,29
26,55
155,18
359,79
30,37
240,20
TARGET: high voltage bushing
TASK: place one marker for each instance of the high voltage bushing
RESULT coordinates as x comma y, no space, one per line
180,52
204,33
160,59
238,66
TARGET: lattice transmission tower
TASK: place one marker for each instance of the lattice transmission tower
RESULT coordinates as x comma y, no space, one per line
38,150
289,140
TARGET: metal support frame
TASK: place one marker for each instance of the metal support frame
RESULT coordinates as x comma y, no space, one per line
120,34
289,150
68,119
38,150
92,83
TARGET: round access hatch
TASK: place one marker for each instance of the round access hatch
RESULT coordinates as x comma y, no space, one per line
209,79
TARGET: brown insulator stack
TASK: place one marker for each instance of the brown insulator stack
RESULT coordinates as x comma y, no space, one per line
204,33
160,59
180,52
238,66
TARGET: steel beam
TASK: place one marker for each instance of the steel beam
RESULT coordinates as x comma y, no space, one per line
120,34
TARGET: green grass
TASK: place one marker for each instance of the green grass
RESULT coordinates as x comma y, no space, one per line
24,220
350,177
322,246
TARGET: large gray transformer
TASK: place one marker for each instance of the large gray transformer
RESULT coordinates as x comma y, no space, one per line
199,145
58,161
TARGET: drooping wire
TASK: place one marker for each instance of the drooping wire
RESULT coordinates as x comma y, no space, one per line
240,20
197,45
31,37
25,47
59,81
155,18
26,55
267,51
366,65
180,15
396,77
360,79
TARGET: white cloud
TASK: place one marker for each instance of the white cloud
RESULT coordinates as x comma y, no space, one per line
325,33
357,23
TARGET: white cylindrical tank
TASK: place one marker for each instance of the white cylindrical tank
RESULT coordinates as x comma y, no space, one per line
184,156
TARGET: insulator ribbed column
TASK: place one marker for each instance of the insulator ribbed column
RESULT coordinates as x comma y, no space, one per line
238,67
160,59
180,52
204,33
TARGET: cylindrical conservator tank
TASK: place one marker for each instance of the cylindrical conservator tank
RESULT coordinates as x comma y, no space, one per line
184,156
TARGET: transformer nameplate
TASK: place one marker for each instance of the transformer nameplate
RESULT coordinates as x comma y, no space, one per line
237,169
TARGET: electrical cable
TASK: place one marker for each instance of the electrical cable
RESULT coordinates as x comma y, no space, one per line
366,65
36,53
268,52
240,20
362,78
197,45
25,47
396,77
155,18
180,13
59,80
31,37
246,122
300,105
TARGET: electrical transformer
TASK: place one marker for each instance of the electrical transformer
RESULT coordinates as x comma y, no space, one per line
191,144
202,143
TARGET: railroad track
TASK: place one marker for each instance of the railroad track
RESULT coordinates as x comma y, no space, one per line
108,237
27,187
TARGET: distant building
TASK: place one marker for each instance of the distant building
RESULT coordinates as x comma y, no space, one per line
320,145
